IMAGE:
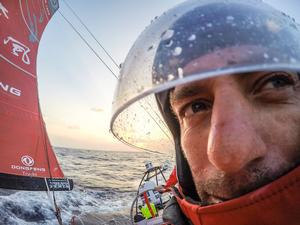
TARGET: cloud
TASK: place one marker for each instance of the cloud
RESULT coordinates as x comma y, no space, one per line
97,109
73,127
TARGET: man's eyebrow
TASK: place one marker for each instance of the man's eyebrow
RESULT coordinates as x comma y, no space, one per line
202,88
185,92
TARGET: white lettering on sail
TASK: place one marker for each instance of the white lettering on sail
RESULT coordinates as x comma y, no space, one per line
28,171
3,10
10,89
4,87
59,185
18,47
29,174
15,91
27,168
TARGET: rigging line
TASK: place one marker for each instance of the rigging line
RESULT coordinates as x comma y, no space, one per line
90,47
78,33
156,122
89,31
163,122
46,143
55,207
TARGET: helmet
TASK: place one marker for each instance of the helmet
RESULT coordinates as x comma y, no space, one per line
210,38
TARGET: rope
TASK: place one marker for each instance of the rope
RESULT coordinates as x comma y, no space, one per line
106,52
44,136
54,204
89,46
103,62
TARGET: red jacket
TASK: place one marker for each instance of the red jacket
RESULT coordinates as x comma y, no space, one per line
172,179
277,203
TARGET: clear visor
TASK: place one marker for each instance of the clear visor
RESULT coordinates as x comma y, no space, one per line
194,41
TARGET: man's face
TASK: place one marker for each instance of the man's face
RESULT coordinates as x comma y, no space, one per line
239,132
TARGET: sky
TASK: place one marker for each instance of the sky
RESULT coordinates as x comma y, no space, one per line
75,89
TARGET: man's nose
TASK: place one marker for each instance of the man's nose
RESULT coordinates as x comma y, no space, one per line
233,140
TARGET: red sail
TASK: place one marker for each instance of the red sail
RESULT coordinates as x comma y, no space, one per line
25,147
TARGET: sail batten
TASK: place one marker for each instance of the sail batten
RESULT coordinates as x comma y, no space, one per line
27,161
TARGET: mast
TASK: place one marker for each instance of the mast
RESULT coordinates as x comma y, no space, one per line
27,159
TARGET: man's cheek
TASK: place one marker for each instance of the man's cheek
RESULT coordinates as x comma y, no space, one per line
194,149
281,135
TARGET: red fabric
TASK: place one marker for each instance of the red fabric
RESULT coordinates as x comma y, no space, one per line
25,146
277,203
172,179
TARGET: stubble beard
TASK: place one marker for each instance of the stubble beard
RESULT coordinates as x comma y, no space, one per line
223,187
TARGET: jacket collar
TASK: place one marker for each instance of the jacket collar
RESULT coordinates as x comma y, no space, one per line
276,203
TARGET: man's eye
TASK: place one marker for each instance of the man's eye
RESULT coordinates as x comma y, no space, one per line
196,107
276,81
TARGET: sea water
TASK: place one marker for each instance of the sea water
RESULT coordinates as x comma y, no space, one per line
105,184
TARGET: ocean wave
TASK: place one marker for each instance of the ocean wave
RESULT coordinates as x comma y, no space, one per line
105,186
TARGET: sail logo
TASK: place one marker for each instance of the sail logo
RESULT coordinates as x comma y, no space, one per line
18,48
27,169
10,89
27,160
